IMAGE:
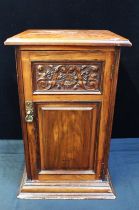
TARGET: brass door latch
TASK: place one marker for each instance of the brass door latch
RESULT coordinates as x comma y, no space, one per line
29,111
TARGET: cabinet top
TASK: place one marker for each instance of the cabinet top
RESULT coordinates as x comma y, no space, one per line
68,37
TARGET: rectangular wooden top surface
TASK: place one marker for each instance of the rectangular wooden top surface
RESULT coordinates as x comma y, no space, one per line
68,37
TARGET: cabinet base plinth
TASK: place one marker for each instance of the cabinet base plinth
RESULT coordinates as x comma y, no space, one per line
35,189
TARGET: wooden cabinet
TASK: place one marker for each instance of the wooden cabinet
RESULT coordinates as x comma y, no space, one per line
67,83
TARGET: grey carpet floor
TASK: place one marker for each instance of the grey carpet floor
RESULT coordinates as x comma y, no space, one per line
124,170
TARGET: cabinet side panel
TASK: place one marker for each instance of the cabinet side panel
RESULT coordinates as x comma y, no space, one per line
103,134
114,77
31,134
22,110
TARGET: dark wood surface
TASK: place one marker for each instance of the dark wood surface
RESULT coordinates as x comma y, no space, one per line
72,91
67,76
67,133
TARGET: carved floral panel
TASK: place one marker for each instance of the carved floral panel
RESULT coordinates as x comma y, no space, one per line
67,77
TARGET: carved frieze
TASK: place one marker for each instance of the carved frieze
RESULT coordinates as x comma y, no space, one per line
67,77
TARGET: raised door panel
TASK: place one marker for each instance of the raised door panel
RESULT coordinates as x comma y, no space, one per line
67,137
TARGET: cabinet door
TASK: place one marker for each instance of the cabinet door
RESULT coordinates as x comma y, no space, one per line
67,142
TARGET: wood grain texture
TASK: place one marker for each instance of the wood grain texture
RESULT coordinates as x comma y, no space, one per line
68,142
65,48
70,78
116,59
66,190
86,56
68,37
22,111
39,148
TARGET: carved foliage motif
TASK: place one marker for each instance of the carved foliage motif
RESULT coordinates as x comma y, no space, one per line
67,77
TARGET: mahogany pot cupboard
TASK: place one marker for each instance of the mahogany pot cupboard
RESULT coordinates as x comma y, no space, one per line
67,85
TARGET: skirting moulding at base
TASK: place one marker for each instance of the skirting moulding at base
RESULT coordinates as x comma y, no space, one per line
67,85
